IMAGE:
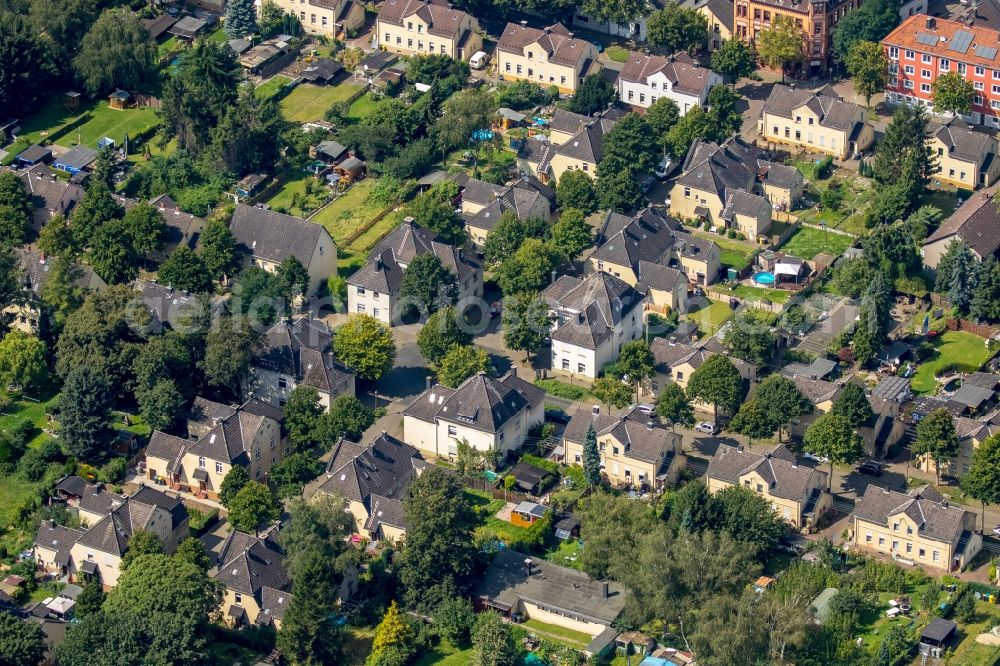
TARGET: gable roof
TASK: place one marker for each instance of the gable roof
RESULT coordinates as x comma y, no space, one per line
36,270
646,236
49,195
739,202
683,77
274,236
385,511
962,141
656,276
976,222
112,532
439,16
57,538
520,200
480,402
301,348
830,109
590,308
778,468
555,40
720,168
643,437
252,564
167,305
383,468
816,390
935,519
409,240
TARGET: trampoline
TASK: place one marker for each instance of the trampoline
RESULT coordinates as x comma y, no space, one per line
764,277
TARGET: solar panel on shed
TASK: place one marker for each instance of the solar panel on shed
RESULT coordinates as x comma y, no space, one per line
987,52
961,41
926,39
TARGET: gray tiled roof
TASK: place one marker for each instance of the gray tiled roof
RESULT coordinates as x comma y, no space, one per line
480,402
588,309
37,271
275,602
382,274
568,122
667,354
625,240
230,441
777,467
481,192
832,111
716,168
986,380
976,222
112,533
935,520
657,276
816,390
409,240
58,538
963,142
301,349
172,505
166,305
259,564
739,202
167,447
206,412
643,437
273,236
385,511
567,591
384,468
49,195
517,199
779,175
98,500
179,228
972,396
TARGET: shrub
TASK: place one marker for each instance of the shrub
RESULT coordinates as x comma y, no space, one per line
114,470
561,389
541,463
731,233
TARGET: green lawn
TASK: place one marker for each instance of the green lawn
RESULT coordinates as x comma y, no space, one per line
951,348
734,253
806,243
168,46
760,293
219,36
711,316
444,654
270,88
309,102
349,213
92,121
361,107
487,508
566,554
562,389
282,199
850,214
574,639
617,53
34,412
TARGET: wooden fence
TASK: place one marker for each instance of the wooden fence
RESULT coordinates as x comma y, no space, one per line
982,330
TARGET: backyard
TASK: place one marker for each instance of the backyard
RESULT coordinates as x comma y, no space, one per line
953,349
709,314
361,107
33,411
293,199
756,293
807,242
734,253
270,88
309,102
857,195
487,507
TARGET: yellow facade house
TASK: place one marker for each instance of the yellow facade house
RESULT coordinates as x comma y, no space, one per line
965,157
26,314
256,586
427,27
636,450
818,122
576,143
918,528
974,223
549,56
796,492
338,19
820,393
483,204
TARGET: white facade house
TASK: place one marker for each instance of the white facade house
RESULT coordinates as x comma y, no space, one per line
646,78
490,414
594,317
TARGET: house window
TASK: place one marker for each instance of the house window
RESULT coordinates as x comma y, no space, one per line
562,80
760,488
944,64
452,431
506,66
925,58
996,74
581,368
519,69
868,538
687,192
926,73
909,547
893,52
238,598
375,313
531,72
282,383
936,556
631,94
614,450
361,308
361,291
256,454
925,87
895,527
218,468
909,54
409,26
324,25
881,541
980,71
576,458
201,462
961,68
922,553
531,55
979,85
388,38
909,530
909,69
312,19
680,376
259,472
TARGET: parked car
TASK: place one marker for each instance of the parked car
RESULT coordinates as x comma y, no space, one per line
871,468
815,458
647,184
664,168
996,531
646,408
479,60
707,427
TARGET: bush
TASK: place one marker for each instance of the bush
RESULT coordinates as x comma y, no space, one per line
114,471
522,95
32,466
22,431
707,225
823,168
731,233
541,463
561,389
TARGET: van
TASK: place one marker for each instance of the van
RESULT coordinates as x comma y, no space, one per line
479,60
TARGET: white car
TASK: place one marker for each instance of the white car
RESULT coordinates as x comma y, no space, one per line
815,458
996,531
707,427
665,166
646,408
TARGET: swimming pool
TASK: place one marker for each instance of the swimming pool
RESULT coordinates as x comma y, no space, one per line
764,277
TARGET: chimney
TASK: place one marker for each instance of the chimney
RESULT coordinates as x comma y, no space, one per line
527,566
595,410
931,23
513,371
428,382
524,24
554,270
378,264
673,341
604,589
579,317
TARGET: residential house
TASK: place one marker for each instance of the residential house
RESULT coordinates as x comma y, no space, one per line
747,213
180,228
971,431
249,436
797,493
297,353
168,308
427,27
113,519
251,571
636,450
483,204
539,590
820,393
646,78
886,400
976,223
653,237
666,289
922,48
335,19
373,479
815,121
674,361
26,315
490,414
919,527
712,173
966,157
51,550
719,14
268,238
581,149
49,195
592,318
549,56
376,288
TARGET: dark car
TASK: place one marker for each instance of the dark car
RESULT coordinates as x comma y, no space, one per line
557,416
871,468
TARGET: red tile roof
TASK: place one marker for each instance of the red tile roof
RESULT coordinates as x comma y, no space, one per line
984,41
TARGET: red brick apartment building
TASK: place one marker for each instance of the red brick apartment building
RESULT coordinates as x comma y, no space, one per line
924,47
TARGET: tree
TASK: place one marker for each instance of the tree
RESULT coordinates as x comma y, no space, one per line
627,147
526,322
945,270
904,157
576,190
391,632
591,458
248,136
438,554
724,114
366,345
161,405
117,52
228,350
528,269
15,210
241,18
872,24
303,413
293,472
26,68
453,621
22,642
427,284
144,227
594,94
749,339
90,599
691,509
619,191
867,65
142,542
783,401
348,417
936,439
192,550
308,635
463,113
56,239
197,95
676,28
521,95
621,12
22,361
891,251
232,484
982,481
986,301
96,209
734,60
873,317
504,239
952,93
571,235
780,44
612,527
218,250
749,518
693,125
493,642
185,270
460,363
433,210
252,507
635,361
716,381
753,420
440,333
962,286
674,406
612,391
832,436
61,24
84,412
853,404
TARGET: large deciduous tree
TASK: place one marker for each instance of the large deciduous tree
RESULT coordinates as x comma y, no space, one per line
982,481
867,65
952,93
674,406
832,436
21,641
936,439
576,190
186,271
676,28
253,507
749,339
529,269
26,68
783,401
218,250
734,60
117,52
366,345
871,23
718,382
428,284
15,210
441,331
303,413
22,361
853,404
593,95
571,235
903,159
526,322
753,421
781,44
460,363
348,417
